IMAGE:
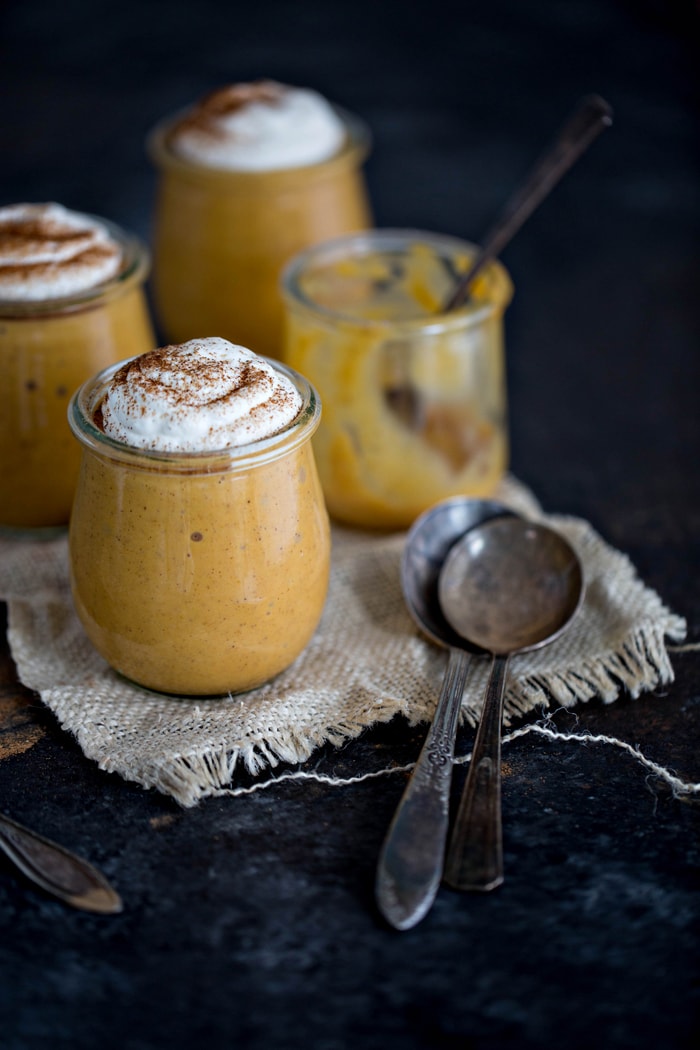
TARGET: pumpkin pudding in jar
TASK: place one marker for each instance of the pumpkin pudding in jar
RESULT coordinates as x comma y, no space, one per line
71,302
199,539
414,397
248,176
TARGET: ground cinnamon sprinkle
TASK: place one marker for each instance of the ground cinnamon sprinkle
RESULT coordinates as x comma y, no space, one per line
38,245
209,394
206,114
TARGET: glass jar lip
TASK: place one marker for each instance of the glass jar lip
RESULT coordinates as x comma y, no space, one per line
134,270
391,239
355,150
85,400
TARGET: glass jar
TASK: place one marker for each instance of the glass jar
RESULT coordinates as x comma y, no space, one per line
198,573
222,237
414,398
47,349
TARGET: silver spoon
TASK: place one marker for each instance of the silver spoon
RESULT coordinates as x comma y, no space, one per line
412,856
56,870
508,586
591,117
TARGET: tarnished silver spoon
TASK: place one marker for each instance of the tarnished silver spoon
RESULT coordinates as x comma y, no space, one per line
582,128
56,870
412,857
592,116
508,586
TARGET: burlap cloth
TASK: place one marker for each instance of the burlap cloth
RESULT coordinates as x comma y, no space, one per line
366,663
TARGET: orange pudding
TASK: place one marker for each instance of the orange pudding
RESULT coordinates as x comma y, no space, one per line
414,398
221,236
48,347
199,573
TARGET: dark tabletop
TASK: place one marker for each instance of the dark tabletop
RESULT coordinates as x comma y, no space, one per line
250,922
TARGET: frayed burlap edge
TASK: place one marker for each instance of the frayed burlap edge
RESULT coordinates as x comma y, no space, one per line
190,750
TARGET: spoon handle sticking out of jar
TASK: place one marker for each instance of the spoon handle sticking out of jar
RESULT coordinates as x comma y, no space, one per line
591,117
56,870
412,857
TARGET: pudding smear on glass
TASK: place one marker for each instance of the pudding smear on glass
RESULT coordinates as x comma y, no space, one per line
414,397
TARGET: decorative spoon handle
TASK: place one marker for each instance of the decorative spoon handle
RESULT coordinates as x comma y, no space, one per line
413,854
590,118
56,870
475,854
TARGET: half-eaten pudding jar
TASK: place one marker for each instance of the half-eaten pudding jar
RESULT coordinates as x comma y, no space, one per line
414,395
199,538
71,303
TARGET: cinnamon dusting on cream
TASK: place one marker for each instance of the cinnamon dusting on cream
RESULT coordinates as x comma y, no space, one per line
223,102
47,252
258,126
203,395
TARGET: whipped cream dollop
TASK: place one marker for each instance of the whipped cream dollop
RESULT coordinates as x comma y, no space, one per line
48,252
259,126
201,396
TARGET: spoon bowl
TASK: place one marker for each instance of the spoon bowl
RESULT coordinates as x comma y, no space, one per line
427,545
507,586
412,856
510,587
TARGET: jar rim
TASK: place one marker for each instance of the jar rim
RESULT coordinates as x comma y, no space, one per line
365,242
355,149
136,262
86,399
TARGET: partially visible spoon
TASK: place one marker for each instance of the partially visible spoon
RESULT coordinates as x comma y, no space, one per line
591,117
56,870
509,586
412,857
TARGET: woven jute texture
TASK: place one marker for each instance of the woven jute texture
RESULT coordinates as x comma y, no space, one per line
366,663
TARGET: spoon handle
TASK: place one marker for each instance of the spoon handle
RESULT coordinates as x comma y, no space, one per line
475,854
413,854
56,870
581,129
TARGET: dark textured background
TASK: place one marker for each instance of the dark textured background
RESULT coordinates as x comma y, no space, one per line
250,923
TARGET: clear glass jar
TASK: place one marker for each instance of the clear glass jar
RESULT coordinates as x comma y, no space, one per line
47,349
414,398
198,573
222,237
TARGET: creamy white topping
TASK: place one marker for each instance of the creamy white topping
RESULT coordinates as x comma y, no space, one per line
48,252
201,396
259,127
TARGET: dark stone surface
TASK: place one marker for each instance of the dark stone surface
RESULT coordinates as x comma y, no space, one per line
250,922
